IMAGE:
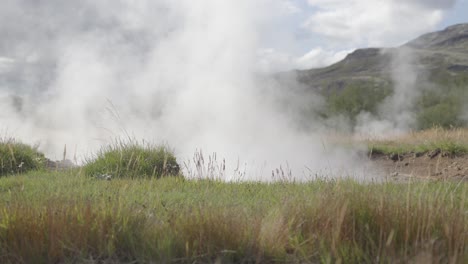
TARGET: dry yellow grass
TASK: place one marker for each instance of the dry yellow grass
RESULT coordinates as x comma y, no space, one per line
70,218
452,141
459,135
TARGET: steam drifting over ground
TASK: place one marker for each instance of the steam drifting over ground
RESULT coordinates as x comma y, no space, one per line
181,72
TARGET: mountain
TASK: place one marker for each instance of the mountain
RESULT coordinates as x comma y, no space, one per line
454,38
444,51
437,61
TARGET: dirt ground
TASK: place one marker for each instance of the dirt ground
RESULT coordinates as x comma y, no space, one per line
433,165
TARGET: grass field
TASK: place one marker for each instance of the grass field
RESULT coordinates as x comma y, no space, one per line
68,217
452,141
72,217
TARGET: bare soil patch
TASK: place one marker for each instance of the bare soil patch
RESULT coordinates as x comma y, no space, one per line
433,165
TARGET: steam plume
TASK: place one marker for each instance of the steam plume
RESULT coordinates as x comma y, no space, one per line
181,72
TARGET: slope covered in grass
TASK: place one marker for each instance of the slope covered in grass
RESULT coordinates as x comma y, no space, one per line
366,78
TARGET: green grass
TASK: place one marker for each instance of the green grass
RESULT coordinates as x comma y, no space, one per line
57,217
16,157
446,146
133,160
139,217
453,142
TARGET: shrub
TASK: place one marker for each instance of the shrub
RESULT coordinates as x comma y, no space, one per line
442,108
356,98
133,160
16,157
444,115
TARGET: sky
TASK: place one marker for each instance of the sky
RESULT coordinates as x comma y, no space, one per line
315,33
302,34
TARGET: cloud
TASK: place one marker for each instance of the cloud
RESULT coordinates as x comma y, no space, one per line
5,63
289,7
319,57
430,4
374,23
271,60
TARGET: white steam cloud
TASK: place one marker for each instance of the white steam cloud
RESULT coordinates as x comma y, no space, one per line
397,113
181,72
271,60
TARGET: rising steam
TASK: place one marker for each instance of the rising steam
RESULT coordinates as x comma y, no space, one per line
397,113
181,72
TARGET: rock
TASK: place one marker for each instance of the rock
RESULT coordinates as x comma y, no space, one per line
106,177
396,157
60,164
434,153
418,154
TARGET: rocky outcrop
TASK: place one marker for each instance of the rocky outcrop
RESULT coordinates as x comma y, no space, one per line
59,164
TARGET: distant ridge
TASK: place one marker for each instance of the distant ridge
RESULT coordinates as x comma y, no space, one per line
453,38
436,63
444,51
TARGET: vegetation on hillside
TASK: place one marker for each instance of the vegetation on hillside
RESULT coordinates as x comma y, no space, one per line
361,82
356,98
440,105
444,103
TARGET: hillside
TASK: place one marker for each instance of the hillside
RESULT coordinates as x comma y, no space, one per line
438,61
